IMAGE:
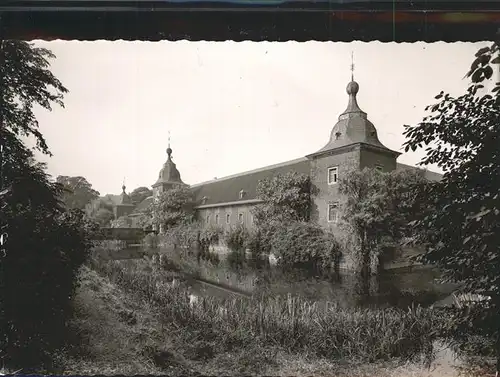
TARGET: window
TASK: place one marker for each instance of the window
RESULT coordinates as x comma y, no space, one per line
379,168
217,219
333,213
242,194
240,217
228,218
333,175
208,219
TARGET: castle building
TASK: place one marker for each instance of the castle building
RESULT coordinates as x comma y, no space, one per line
353,144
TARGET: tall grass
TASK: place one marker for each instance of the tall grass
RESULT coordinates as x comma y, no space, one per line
291,323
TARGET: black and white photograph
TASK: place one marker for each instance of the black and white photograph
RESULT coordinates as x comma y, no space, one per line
250,208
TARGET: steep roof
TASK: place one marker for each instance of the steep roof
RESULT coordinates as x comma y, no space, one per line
124,198
353,126
228,189
169,172
430,175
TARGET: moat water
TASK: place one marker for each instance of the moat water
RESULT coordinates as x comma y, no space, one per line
399,288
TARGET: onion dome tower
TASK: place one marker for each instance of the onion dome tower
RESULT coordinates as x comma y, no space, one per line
169,176
353,126
124,205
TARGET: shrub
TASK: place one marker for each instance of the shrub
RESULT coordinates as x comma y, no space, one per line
236,258
306,245
210,236
237,237
184,235
151,241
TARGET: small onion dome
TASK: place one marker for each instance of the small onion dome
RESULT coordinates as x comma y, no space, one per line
352,88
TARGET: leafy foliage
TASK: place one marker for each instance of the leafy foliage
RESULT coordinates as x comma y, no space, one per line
78,192
101,211
172,208
184,235
46,245
462,231
286,197
26,82
305,245
210,235
121,222
236,238
379,208
139,194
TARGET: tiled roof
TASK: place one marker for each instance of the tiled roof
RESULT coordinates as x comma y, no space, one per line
353,126
430,175
227,189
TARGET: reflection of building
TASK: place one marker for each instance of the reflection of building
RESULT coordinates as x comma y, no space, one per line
353,144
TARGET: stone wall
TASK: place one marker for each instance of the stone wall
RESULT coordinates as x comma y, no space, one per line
370,158
222,212
345,161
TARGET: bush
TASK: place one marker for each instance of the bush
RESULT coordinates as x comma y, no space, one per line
210,236
237,237
305,245
151,241
184,235
39,281
236,259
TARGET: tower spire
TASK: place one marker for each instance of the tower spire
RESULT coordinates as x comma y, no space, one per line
352,66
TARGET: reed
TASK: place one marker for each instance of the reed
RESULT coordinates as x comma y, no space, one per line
292,323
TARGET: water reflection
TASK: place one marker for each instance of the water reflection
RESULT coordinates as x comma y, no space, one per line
391,288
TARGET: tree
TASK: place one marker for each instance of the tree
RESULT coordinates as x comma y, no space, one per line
78,192
172,208
121,222
462,232
139,194
286,197
305,245
46,245
101,211
378,209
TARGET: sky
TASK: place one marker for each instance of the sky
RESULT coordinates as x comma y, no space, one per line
230,106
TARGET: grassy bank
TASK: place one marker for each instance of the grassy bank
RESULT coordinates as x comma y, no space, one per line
127,321
292,324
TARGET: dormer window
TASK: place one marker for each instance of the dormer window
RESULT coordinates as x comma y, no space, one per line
333,175
242,194
204,200
337,135
379,168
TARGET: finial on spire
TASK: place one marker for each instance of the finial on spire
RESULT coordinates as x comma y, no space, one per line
169,150
123,184
352,65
